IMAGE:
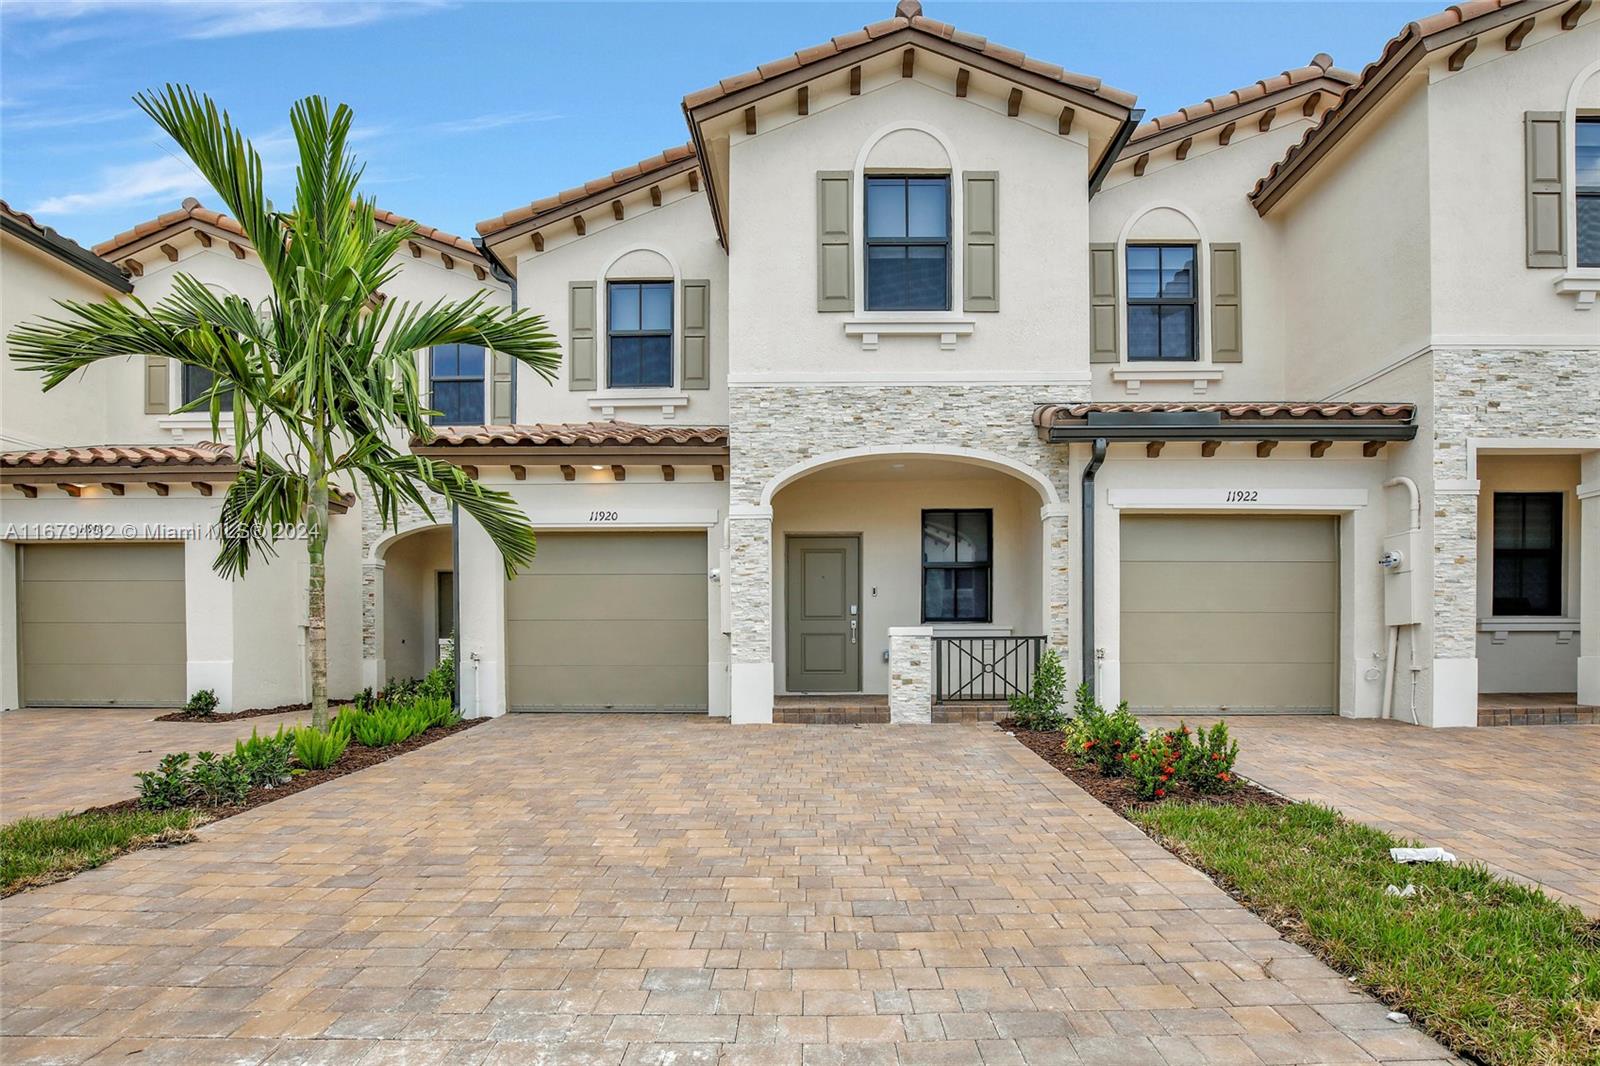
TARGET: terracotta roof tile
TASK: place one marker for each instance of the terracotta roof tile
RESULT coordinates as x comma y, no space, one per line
120,455
908,15
1052,414
192,209
1320,67
67,249
580,434
1449,18
661,161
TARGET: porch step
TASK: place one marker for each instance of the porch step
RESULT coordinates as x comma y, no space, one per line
969,713
1515,708
831,710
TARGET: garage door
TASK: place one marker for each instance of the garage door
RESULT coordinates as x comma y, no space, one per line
101,624
610,621
1230,613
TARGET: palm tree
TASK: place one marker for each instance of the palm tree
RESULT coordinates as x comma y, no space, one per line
323,373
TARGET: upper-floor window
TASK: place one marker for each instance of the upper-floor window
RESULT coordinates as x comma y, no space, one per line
1588,188
197,382
956,565
455,373
1527,553
639,334
1162,301
908,243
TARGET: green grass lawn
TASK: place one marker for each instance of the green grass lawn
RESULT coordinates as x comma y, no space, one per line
1489,967
37,851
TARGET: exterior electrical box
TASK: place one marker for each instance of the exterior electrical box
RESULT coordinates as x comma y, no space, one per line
1403,594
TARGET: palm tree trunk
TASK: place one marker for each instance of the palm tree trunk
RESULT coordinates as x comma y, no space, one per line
317,638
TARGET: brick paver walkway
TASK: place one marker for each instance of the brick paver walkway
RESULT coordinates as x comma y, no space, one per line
68,759
1522,800
651,890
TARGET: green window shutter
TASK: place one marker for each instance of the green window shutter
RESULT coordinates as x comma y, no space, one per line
157,369
696,335
500,403
1227,328
1547,199
1103,346
981,266
581,336
835,287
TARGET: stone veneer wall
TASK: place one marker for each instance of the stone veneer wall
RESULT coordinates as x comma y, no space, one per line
773,428
911,675
1492,392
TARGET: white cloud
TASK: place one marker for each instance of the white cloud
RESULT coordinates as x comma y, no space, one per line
492,121
78,20
62,119
125,186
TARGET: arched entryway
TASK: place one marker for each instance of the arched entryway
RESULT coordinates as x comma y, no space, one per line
414,600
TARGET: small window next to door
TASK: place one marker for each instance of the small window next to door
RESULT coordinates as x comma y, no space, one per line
956,565
445,606
1527,553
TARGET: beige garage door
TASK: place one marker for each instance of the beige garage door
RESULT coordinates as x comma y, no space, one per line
101,625
1230,613
610,621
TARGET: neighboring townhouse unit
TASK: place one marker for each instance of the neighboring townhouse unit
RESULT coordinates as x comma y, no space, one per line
923,355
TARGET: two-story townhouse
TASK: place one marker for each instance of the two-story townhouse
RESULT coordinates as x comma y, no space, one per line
113,490
924,355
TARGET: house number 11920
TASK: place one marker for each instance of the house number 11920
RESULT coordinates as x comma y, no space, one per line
1243,495
602,516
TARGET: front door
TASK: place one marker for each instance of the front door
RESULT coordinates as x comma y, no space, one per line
823,614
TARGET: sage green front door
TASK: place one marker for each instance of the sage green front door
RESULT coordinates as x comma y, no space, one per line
822,610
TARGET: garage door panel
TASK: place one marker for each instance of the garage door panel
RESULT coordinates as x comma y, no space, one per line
127,643
81,685
620,553
109,601
1207,586
104,562
1215,686
641,688
1227,636
617,643
556,597
1236,612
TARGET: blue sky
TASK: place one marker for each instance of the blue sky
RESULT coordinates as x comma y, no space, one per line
465,110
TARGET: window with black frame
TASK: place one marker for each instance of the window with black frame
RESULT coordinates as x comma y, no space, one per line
639,334
1588,189
1163,301
908,243
956,565
197,382
456,384
1527,553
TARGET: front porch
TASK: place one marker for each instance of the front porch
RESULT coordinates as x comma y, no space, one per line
1535,708
874,710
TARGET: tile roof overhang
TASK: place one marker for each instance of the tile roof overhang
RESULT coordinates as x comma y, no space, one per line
192,215
1258,421
1401,56
23,227
676,160
908,27
554,443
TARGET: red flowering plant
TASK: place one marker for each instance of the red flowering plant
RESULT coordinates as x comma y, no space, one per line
1156,766
1210,766
1103,740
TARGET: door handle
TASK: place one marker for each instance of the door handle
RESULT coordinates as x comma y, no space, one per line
852,630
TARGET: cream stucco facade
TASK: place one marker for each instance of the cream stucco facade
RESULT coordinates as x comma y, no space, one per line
1378,337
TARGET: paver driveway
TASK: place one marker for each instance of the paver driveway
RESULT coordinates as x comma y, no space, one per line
608,890
68,759
1522,800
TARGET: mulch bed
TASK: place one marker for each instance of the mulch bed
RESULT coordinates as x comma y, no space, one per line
356,757
1117,792
254,712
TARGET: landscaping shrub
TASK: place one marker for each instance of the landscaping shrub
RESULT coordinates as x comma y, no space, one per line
439,711
316,750
365,700
385,724
266,759
167,786
1103,739
1209,766
1159,758
1040,709
218,781
440,682
203,703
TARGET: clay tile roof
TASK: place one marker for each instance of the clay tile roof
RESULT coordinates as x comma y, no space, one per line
908,15
1413,32
192,209
580,434
120,455
1051,414
65,249
661,161
1320,67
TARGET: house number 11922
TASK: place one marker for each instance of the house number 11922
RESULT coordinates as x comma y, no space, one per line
1243,495
602,516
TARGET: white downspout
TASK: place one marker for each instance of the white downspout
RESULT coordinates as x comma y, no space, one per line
1389,670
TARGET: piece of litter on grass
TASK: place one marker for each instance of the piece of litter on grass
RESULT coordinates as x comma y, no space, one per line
1420,855
1404,893
1396,1017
